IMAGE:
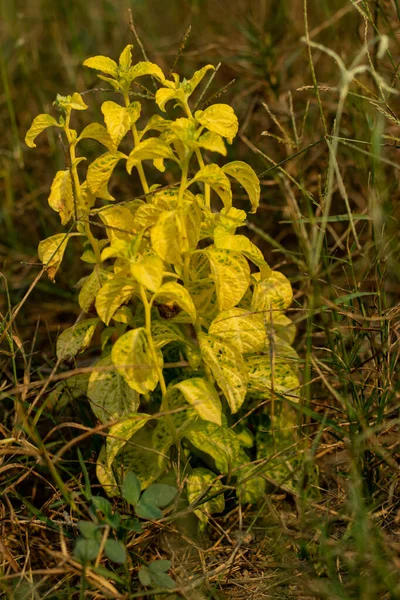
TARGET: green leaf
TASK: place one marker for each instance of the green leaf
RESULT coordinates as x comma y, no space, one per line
99,173
118,119
167,237
245,175
95,131
162,579
148,511
103,64
214,176
131,488
227,367
51,252
160,566
204,398
109,394
86,550
39,124
76,339
112,294
119,222
103,505
115,551
241,328
175,292
272,294
88,529
144,576
120,433
125,58
133,359
231,274
238,243
61,197
279,378
146,68
220,119
150,149
159,494
148,271
220,443
212,142
202,483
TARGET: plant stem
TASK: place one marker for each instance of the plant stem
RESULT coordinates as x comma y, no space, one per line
160,375
200,160
78,193
139,166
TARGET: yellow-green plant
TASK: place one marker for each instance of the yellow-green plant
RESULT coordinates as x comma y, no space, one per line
189,329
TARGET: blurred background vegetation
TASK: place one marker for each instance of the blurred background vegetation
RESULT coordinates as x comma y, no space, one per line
346,308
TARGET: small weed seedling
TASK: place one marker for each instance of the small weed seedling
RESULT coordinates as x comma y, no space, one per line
191,334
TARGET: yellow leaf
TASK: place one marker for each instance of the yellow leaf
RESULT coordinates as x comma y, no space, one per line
164,95
191,85
227,367
97,132
245,175
204,398
220,443
99,173
117,119
76,339
103,64
61,197
51,252
203,484
279,378
272,294
148,271
238,243
212,142
150,149
125,58
39,124
166,237
109,394
132,357
90,288
120,433
216,178
146,68
241,328
119,223
219,118
77,102
175,292
231,274
112,294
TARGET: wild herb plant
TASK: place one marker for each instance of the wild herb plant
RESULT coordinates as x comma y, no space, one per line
192,318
